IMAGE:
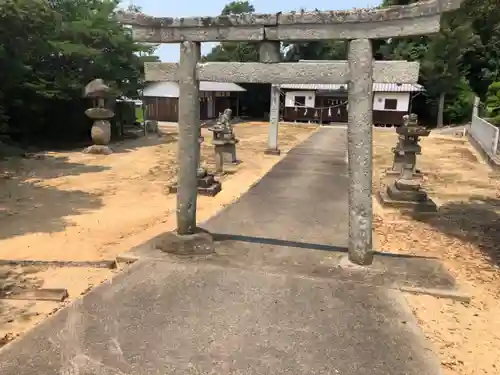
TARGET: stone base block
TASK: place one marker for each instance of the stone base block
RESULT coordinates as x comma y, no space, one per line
231,162
210,191
425,206
389,172
206,181
408,184
98,150
271,151
199,243
406,195
227,151
230,159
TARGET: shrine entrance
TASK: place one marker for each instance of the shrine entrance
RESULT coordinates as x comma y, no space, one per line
358,73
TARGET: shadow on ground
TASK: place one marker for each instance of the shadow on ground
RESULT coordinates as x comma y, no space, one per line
221,237
41,166
135,140
276,242
27,206
476,221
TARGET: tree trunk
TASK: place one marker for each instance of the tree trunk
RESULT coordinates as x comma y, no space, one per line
441,110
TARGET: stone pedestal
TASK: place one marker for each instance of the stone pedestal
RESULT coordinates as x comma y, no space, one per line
406,191
225,150
398,159
199,243
271,151
407,196
224,147
206,183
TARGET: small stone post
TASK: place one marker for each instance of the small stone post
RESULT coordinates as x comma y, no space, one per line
189,147
475,108
359,144
269,52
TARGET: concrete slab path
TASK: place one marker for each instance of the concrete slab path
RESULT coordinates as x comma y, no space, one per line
258,307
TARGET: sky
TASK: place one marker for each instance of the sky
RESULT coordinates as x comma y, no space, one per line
192,8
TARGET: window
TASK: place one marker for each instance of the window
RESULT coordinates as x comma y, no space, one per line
300,101
391,104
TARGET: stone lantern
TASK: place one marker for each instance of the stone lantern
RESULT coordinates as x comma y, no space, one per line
101,127
406,190
224,141
398,151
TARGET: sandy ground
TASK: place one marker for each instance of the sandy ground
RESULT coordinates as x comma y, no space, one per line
80,207
465,236
72,206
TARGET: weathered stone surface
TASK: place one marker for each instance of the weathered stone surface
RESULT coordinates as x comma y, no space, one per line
229,153
197,34
359,138
198,243
207,186
272,152
406,191
347,31
99,113
417,206
274,116
98,150
101,132
419,9
188,145
269,53
327,72
400,194
414,19
151,126
96,89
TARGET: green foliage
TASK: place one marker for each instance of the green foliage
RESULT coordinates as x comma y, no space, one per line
230,51
238,7
50,49
493,102
139,114
459,104
464,57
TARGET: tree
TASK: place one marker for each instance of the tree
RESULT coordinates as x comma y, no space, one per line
441,65
482,56
49,49
235,51
464,57
493,102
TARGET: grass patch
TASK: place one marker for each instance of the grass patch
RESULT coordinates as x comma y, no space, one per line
139,114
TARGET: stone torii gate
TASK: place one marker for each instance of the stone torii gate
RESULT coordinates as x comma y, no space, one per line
359,72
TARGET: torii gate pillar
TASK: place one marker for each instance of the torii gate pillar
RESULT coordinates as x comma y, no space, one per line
359,146
269,52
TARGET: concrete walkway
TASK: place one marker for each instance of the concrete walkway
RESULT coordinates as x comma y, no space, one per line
273,301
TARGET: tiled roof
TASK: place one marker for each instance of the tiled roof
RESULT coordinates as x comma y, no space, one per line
377,87
171,89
